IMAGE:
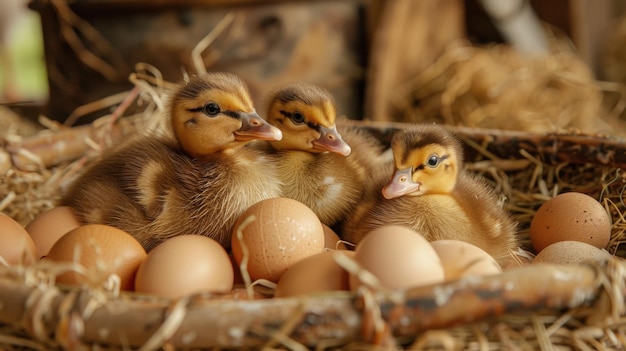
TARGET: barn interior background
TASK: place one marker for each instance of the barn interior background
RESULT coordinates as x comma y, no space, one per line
377,57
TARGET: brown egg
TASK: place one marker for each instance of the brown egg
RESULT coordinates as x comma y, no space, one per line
102,250
49,226
184,265
332,240
571,252
570,216
16,246
283,232
399,257
316,273
462,259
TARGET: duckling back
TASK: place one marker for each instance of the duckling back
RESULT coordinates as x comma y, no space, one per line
154,191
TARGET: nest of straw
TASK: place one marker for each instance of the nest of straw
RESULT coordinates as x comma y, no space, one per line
498,87
528,308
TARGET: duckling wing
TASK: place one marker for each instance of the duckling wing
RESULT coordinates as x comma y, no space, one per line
123,187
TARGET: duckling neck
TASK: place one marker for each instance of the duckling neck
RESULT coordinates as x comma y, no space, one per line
296,157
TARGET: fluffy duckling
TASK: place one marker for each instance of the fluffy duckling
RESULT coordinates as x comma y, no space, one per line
430,193
198,182
315,164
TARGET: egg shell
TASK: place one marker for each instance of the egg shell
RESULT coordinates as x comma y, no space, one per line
570,216
517,259
462,259
399,257
316,273
16,245
332,240
284,231
184,265
571,252
102,250
47,227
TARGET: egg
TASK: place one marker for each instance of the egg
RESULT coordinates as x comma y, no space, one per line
462,259
283,232
316,273
184,265
332,240
399,257
102,250
570,252
16,245
47,227
518,258
570,216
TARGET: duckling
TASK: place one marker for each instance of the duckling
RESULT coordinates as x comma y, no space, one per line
198,182
432,194
315,164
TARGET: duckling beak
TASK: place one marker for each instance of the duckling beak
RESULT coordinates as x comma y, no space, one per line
331,140
253,127
400,184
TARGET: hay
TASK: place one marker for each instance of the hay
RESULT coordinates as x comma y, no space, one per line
545,315
498,87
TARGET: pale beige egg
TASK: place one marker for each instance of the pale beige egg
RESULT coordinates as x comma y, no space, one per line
462,259
16,246
184,265
399,258
313,274
571,252
49,226
332,240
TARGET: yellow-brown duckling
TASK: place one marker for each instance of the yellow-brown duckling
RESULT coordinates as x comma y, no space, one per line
432,194
198,182
315,164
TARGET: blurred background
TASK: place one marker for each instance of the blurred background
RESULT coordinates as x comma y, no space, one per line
529,65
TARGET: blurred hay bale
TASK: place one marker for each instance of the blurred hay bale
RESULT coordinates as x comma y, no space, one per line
498,87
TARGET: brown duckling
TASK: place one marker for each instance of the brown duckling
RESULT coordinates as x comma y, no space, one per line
315,163
198,182
432,194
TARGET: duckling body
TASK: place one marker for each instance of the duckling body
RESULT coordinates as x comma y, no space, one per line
197,183
315,164
430,193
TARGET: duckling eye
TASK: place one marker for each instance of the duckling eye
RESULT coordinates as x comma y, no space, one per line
297,118
433,161
211,109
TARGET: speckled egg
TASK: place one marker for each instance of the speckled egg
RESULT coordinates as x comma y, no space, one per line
571,252
570,216
275,234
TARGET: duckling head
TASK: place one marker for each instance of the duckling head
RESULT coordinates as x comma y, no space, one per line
427,161
213,113
305,113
